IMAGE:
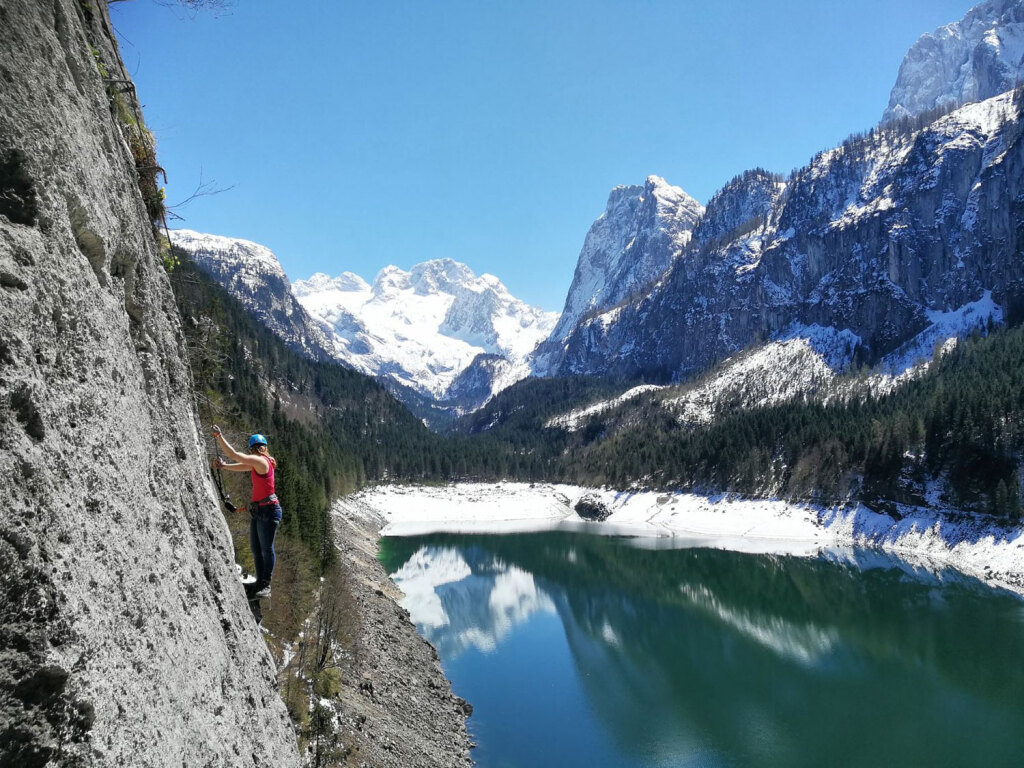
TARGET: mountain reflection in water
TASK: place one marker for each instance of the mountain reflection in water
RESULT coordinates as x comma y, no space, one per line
705,657
486,599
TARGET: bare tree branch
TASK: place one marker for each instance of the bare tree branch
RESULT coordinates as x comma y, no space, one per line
194,6
203,189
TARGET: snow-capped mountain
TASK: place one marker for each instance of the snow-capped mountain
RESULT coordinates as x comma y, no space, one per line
252,274
976,58
628,247
425,327
876,237
876,241
435,328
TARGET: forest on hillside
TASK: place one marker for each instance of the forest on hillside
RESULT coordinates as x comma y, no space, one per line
335,430
961,422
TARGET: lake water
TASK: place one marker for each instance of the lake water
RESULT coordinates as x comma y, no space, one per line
582,650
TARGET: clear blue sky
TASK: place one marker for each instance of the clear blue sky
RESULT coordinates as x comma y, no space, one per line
373,132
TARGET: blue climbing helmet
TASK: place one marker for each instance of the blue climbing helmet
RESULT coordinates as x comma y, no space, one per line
257,440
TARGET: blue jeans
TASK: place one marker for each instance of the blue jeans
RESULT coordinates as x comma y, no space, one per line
263,523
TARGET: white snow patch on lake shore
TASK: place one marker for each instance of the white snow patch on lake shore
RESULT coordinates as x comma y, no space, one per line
927,538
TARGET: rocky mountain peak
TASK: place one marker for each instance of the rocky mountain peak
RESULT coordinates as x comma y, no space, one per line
390,280
440,276
978,57
254,276
671,200
346,281
230,251
630,245
745,199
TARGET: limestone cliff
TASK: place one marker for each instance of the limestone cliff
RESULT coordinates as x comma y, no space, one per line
124,638
876,238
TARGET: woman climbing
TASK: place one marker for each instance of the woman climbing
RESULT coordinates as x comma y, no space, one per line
264,509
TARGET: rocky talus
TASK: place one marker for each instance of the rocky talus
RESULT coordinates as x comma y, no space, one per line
396,709
124,637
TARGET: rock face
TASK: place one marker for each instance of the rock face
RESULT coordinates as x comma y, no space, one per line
591,507
252,274
878,237
124,636
976,58
628,247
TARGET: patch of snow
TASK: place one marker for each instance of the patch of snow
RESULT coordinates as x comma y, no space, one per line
983,548
941,334
801,363
573,420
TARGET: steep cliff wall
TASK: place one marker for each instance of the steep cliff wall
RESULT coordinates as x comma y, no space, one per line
124,638
978,57
873,237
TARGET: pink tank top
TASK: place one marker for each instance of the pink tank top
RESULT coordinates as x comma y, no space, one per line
263,485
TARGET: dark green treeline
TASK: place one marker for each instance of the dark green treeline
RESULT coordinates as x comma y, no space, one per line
964,419
334,430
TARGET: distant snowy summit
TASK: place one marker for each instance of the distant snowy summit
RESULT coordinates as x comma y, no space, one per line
436,334
252,274
424,327
978,57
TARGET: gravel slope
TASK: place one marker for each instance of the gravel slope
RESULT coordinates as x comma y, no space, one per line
396,708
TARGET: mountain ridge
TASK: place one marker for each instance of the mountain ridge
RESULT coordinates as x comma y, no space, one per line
868,237
418,330
973,59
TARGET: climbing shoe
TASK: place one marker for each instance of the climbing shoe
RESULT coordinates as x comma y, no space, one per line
261,590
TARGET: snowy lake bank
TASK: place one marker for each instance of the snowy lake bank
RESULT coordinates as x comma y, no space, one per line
979,547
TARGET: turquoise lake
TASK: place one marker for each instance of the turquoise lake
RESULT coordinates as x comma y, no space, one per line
593,651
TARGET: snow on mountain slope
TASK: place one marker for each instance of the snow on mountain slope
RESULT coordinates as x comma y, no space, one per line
871,236
806,362
801,364
252,274
575,419
942,331
978,57
630,245
424,327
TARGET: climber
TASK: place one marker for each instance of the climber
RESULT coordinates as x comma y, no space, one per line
264,509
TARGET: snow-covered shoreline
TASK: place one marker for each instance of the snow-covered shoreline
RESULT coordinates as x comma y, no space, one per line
978,547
